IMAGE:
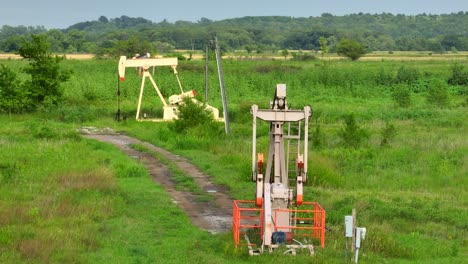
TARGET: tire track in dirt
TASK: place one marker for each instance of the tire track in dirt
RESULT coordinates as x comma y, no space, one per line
213,216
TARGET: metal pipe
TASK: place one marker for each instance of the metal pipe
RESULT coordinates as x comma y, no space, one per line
141,96
307,113
254,141
177,77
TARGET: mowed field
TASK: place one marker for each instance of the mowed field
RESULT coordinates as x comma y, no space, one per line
66,199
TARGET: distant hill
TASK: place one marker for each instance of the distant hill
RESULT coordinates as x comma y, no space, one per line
438,33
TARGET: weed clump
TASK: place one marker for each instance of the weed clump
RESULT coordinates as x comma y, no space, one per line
407,75
351,134
401,96
300,56
8,172
438,94
317,136
388,134
383,77
459,75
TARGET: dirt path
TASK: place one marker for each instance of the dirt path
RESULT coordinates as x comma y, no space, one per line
214,216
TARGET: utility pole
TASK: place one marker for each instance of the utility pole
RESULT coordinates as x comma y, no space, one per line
206,73
221,84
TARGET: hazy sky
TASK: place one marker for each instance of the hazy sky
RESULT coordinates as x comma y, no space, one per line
64,13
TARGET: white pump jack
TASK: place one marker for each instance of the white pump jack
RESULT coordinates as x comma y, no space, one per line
273,192
143,64
279,216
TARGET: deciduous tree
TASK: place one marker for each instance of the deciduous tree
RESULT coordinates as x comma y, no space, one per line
45,71
351,48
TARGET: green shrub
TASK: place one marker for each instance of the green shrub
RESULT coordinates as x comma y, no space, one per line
300,56
401,96
351,48
14,98
438,94
42,129
383,77
43,89
45,71
459,75
407,75
351,134
190,114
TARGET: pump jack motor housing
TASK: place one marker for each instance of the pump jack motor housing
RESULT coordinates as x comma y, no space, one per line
279,215
143,63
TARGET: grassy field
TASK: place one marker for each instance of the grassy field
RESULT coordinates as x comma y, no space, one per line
67,199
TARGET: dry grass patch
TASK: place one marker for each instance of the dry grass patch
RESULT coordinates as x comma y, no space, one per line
37,249
13,215
100,179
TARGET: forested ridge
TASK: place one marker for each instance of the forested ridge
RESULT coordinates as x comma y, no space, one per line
437,33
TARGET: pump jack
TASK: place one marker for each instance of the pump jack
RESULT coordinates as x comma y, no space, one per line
281,216
143,64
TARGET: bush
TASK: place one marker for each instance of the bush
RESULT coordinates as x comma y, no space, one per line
401,96
42,129
13,97
459,75
438,94
190,114
300,56
407,75
383,77
351,134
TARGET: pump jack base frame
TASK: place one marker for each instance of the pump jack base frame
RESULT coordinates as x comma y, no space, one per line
307,224
170,113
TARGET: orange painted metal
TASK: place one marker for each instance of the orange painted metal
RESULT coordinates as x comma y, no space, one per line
306,221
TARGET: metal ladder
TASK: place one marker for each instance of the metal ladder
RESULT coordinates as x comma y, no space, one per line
293,147
293,137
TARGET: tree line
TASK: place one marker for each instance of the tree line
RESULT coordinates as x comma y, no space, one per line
127,35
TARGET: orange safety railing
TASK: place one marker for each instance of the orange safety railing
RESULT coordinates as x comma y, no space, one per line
245,216
308,220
